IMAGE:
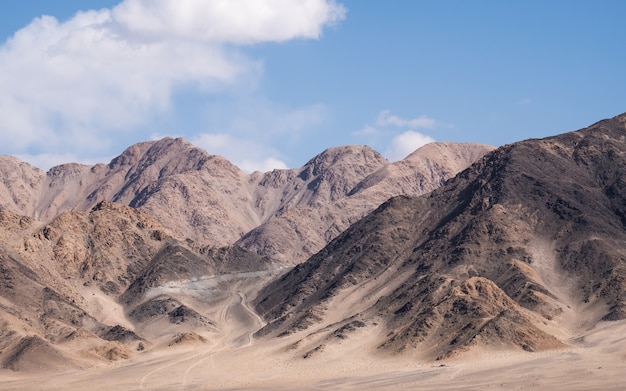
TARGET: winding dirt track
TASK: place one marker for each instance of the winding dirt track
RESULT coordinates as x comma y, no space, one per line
232,337
237,321
257,319
219,347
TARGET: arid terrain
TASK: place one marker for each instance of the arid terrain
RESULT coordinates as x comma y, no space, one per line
460,267
286,214
591,361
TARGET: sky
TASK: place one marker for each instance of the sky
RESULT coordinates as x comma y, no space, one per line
272,83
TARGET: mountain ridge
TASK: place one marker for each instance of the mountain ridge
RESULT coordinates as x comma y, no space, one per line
81,276
538,222
522,251
206,198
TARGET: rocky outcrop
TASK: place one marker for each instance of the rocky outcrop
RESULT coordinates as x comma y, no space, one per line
528,240
343,185
206,198
67,285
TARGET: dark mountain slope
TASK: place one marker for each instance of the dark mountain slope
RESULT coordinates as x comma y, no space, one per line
176,262
524,247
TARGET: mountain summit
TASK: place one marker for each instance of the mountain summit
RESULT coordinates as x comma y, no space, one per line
208,199
526,248
101,261
522,251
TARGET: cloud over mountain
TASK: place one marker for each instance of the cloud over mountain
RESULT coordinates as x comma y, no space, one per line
79,84
400,134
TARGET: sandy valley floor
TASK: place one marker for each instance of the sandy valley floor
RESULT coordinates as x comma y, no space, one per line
233,361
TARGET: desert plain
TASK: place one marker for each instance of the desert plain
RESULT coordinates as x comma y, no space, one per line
229,358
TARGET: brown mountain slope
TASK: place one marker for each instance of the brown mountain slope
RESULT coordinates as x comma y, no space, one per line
525,248
340,197
67,286
20,186
208,199
183,187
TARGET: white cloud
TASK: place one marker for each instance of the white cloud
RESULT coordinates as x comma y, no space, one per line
215,143
77,85
265,165
246,154
46,161
367,130
264,120
405,143
385,118
396,145
233,21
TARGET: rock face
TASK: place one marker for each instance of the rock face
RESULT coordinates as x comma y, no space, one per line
208,199
67,285
98,262
345,184
522,249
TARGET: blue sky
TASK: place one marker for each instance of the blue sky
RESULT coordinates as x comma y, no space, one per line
272,91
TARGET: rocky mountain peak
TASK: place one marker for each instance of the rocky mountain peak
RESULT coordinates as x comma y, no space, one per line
422,171
341,159
20,185
454,157
351,181
206,197
523,250
333,173
131,155
525,246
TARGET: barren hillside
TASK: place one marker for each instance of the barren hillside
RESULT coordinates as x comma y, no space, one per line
524,249
206,198
522,252
86,287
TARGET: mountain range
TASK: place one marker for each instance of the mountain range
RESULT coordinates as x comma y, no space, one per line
99,261
523,249
208,199
456,249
